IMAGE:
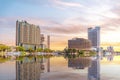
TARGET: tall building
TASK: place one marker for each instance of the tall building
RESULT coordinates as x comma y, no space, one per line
42,45
48,41
79,43
42,38
94,36
28,69
27,35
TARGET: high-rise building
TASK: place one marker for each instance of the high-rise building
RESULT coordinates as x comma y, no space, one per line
28,69
79,43
42,45
48,41
27,35
94,36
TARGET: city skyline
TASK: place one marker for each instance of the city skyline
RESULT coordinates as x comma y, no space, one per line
61,19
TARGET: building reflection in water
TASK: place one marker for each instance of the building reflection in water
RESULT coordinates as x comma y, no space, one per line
94,69
93,65
79,63
28,69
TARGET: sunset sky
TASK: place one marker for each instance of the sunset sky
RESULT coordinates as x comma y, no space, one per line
62,19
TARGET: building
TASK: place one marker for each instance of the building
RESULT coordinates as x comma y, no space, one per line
79,43
48,41
28,70
42,45
27,35
94,36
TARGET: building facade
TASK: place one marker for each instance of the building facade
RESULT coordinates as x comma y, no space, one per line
79,43
42,45
94,36
27,35
48,41
28,70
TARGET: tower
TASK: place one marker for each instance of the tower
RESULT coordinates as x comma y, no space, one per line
94,36
48,41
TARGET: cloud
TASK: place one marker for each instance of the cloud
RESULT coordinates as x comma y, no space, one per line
66,4
66,29
72,26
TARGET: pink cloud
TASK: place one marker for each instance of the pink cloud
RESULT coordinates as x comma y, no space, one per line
66,4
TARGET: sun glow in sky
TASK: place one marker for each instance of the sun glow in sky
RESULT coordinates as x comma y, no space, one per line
62,19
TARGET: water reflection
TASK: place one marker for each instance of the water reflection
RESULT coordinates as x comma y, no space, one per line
62,69
79,63
94,70
28,69
92,64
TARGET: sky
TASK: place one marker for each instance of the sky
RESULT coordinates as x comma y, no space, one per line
62,19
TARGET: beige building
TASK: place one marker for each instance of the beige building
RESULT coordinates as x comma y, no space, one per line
79,43
28,70
27,35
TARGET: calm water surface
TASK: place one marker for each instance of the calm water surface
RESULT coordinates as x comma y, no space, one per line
59,70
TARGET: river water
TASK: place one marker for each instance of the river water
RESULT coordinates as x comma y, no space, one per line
61,70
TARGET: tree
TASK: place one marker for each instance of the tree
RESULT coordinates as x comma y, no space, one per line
23,53
80,53
74,50
92,53
30,50
8,49
46,50
39,50
20,48
2,47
